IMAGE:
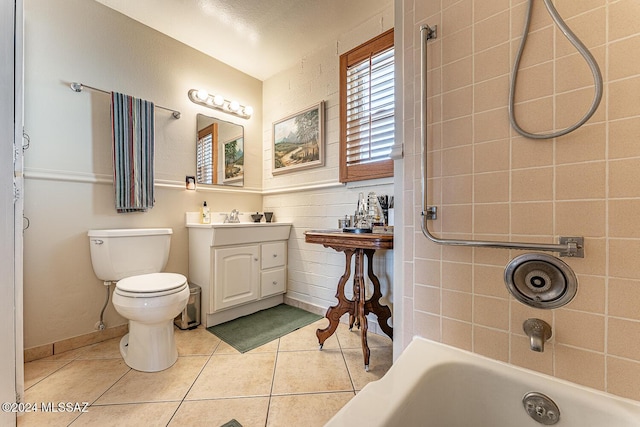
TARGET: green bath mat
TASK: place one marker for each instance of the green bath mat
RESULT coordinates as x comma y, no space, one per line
254,330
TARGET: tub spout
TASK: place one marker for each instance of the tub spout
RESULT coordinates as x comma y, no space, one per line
538,332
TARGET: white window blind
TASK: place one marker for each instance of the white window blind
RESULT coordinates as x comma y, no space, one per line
370,109
205,159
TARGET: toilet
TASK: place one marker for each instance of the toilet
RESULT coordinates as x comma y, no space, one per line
147,297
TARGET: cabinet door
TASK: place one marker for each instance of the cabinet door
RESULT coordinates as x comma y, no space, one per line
236,277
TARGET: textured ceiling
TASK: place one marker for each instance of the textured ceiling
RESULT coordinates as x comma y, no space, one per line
258,37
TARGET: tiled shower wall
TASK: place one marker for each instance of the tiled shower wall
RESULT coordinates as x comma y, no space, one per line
491,184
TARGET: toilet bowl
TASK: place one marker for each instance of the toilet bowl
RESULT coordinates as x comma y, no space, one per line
150,302
148,298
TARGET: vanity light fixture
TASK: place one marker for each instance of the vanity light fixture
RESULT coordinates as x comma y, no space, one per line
218,102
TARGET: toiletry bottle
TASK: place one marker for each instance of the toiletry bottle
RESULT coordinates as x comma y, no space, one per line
206,214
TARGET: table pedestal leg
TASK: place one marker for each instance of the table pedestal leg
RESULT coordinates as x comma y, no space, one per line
345,305
360,297
359,307
382,312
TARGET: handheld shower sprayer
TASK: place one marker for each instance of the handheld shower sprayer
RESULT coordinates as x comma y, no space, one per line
581,48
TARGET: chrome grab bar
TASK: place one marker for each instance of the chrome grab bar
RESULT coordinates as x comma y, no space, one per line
568,246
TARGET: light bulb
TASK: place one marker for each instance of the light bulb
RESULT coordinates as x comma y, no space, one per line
248,111
218,100
202,95
234,106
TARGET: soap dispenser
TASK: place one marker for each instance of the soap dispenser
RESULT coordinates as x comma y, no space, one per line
206,214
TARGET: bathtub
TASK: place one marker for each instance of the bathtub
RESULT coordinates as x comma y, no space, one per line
435,385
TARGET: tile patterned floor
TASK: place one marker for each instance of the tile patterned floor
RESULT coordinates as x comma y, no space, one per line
287,382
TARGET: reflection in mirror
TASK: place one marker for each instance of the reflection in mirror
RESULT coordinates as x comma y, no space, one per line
219,152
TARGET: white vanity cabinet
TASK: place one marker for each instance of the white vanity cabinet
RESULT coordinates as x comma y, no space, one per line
240,268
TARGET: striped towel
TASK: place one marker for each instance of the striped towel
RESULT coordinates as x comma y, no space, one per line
132,128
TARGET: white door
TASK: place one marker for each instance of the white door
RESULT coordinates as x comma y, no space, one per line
10,212
20,144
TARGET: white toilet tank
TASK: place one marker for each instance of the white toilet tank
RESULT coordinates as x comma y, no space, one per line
120,253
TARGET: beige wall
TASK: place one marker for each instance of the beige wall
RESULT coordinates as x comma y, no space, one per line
492,184
68,166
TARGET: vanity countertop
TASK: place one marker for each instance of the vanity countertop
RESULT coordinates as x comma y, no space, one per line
236,225
219,234
192,220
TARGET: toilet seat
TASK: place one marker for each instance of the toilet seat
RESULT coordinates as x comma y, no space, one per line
151,285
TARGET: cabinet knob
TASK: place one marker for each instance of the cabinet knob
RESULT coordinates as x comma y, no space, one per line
275,255
255,259
275,283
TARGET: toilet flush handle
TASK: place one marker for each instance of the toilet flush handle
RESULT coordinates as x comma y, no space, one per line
97,241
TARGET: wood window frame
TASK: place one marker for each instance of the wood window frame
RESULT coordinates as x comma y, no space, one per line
373,170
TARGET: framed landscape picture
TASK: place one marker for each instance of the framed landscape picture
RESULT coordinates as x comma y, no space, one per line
233,160
298,140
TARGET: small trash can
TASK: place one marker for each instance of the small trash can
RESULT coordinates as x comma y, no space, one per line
190,316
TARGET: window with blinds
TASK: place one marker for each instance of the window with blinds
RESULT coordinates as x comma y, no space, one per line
206,160
367,110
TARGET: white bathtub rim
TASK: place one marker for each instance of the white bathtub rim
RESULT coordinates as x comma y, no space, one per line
372,404
459,354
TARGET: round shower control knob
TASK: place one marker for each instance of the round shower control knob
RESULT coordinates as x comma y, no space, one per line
540,280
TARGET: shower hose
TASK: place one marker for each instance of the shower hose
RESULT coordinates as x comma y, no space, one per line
597,76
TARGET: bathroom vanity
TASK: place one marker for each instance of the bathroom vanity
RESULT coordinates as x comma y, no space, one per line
241,268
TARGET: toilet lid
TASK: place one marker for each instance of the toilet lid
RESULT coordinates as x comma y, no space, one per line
152,283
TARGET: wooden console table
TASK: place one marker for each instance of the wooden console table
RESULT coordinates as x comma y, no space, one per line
359,244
